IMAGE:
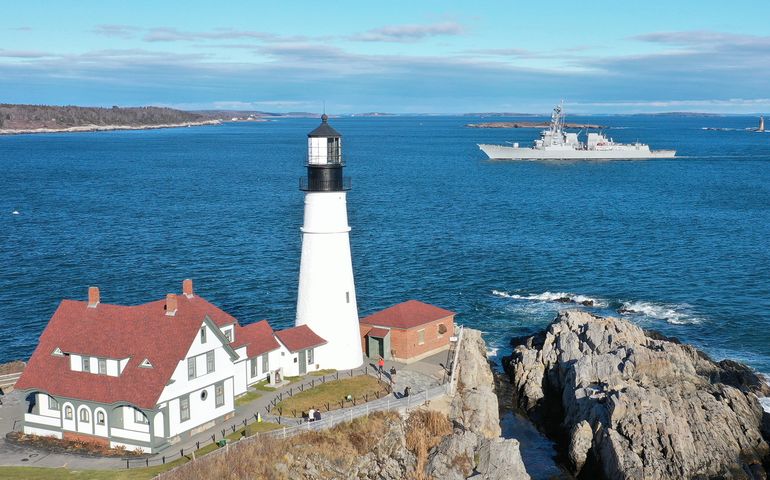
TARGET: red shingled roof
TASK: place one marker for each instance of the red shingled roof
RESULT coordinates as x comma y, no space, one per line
117,332
258,338
406,315
378,332
299,338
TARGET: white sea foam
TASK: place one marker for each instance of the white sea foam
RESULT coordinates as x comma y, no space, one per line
552,297
15,212
765,401
677,314
492,352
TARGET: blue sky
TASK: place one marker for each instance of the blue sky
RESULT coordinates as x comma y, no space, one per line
398,56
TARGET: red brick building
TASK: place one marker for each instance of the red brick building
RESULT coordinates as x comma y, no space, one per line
407,332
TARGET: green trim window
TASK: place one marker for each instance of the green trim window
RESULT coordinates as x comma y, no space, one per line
53,404
210,361
310,356
265,363
99,417
68,412
84,416
191,368
219,394
184,408
203,334
229,335
139,417
86,362
254,367
102,366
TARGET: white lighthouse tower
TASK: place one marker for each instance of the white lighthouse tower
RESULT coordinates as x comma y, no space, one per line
326,301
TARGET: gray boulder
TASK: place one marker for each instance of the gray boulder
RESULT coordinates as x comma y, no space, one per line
640,406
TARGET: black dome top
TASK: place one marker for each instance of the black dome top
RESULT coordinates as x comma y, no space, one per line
324,130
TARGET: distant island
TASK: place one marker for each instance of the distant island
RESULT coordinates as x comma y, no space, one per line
17,119
529,125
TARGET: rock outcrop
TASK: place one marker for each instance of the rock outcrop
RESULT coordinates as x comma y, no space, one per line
475,448
631,405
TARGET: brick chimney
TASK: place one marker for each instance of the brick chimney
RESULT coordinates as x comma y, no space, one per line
171,304
93,297
187,288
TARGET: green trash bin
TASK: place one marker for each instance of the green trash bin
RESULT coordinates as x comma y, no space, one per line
222,443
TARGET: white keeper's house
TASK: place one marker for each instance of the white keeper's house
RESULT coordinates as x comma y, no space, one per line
145,376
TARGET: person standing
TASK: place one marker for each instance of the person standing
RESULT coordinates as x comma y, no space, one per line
311,414
392,375
381,365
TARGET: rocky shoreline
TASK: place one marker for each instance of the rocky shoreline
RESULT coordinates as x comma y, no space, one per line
624,403
104,128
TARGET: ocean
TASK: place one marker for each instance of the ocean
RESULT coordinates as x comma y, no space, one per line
683,243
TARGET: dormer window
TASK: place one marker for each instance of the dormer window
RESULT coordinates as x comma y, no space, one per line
203,334
102,362
229,335
86,364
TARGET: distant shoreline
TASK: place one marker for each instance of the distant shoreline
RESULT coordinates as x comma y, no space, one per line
529,125
106,128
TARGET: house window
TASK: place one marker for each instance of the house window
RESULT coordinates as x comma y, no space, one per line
265,364
191,368
102,366
254,366
421,337
210,361
184,408
68,412
53,404
139,417
441,329
310,356
84,417
203,334
219,394
86,364
229,335
100,418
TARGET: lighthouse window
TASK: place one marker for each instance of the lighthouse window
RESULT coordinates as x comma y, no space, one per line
347,297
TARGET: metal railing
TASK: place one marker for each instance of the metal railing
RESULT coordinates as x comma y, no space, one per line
318,185
338,416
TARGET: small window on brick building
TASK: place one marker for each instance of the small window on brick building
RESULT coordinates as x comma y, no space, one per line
421,337
441,329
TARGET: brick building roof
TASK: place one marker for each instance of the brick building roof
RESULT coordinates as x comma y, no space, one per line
409,314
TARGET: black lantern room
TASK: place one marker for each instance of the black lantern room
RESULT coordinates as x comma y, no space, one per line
324,160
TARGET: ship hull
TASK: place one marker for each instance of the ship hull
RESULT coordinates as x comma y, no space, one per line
502,152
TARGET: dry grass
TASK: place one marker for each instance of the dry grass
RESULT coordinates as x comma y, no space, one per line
424,430
340,445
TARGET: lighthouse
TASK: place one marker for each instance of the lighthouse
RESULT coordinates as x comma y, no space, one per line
326,300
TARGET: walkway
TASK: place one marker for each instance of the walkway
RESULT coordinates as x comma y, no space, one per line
418,376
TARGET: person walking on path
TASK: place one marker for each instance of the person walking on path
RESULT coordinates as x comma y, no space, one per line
381,365
392,375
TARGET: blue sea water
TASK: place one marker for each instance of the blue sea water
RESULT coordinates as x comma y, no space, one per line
683,242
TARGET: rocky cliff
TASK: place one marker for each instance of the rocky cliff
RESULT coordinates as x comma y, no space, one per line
475,448
628,404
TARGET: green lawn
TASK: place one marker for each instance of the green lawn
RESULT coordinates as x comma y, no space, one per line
263,386
331,393
36,473
247,398
321,373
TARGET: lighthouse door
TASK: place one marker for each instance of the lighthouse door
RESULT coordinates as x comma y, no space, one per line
302,362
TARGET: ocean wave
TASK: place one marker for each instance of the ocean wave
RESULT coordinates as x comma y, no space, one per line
492,352
560,297
677,314
765,401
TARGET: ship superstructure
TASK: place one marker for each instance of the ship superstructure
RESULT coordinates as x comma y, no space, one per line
557,144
